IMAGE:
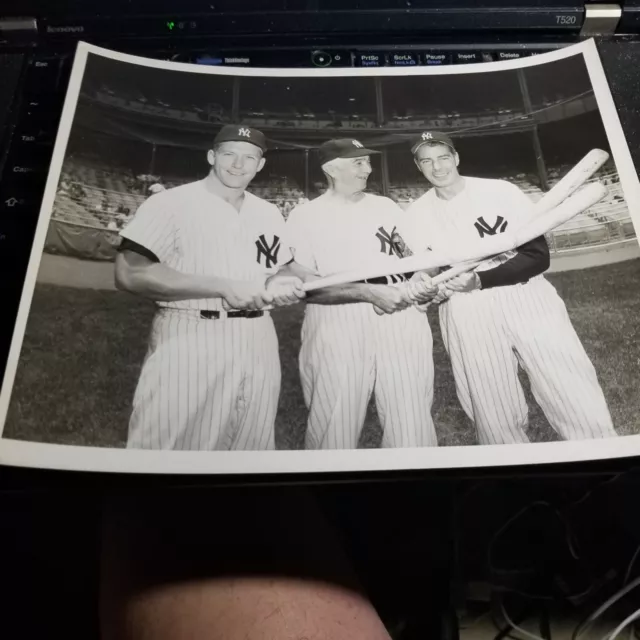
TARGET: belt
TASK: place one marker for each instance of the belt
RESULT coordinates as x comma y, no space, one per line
401,277
216,315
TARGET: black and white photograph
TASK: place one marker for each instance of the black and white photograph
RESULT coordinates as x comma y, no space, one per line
248,270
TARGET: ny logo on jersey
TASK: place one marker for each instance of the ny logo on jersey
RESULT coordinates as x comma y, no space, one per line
268,252
355,143
427,136
485,229
389,243
244,132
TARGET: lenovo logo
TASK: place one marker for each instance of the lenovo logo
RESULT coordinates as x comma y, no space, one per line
65,29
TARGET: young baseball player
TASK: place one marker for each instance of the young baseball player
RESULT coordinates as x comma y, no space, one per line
348,350
203,252
503,314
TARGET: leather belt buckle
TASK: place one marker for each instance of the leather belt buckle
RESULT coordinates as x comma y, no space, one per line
216,315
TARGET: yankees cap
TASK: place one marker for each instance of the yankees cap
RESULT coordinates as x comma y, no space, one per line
431,137
342,148
241,133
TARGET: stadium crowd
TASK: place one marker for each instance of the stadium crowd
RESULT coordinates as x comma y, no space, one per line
93,195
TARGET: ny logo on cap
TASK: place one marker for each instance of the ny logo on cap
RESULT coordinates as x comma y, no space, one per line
427,136
244,132
355,143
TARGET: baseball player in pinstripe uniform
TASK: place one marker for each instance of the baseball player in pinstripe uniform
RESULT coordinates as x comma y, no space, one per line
348,350
204,252
503,314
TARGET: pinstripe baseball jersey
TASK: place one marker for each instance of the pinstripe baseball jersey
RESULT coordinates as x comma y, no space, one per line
327,237
192,230
484,208
490,333
208,383
348,352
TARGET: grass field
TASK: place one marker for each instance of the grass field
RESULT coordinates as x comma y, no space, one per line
83,350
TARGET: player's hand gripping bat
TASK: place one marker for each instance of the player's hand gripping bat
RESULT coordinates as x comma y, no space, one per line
560,191
554,209
533,227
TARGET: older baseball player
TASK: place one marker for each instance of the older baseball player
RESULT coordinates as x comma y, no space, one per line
203,252
348,350
503,314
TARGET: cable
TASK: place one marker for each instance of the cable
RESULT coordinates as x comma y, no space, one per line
586,624
621,627
590,492
504,527
627,576
515,627
630,568
503,628
569,539
475,621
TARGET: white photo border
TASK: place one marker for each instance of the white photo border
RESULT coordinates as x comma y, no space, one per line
100,459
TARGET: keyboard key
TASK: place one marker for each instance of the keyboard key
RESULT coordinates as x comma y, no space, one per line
509,55
42,75
467,57
18,203
41,110
34,143
27,138
436,58
404,59
25,174
370,59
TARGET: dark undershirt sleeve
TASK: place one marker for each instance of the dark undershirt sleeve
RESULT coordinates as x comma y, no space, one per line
531,260
130,245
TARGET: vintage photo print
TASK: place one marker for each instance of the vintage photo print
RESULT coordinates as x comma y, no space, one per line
250,271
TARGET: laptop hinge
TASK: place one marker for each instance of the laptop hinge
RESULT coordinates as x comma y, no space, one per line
601,19
18,30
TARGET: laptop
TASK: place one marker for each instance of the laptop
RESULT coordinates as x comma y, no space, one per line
237,46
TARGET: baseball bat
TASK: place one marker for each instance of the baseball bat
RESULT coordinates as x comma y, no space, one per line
480,249
570,183
535,227
564,188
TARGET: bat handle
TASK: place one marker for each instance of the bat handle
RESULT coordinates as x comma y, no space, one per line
227,307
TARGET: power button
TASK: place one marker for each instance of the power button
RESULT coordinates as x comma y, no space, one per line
321,58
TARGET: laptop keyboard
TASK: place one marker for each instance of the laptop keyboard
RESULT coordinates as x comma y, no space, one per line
34,120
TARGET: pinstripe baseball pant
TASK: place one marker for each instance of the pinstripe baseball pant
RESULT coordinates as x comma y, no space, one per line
489,333
207,384
347,353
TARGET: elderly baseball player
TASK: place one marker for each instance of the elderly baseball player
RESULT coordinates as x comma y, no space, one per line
503,314
204,253
348,350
